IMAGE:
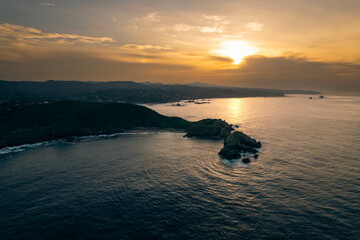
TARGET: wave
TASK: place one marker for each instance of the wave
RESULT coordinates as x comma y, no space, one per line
67,140
24,147
238,161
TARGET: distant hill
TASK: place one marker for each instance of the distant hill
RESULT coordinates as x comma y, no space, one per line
309,92
126,91
200,84
43,122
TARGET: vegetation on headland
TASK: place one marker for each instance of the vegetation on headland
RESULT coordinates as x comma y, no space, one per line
32,112
209,128
65,119
43,122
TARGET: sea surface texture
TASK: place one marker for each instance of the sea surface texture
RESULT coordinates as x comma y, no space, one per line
304,185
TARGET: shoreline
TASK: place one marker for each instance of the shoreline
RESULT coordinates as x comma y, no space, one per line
154,130
71,119
73,139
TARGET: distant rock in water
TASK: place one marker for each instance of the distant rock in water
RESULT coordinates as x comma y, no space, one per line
177,105
237,143
209,128
201,102
246,160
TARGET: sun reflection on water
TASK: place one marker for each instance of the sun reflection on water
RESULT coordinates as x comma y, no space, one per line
236,107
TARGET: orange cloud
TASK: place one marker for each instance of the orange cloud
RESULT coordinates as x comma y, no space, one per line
19,35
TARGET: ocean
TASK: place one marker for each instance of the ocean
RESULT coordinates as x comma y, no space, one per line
158,185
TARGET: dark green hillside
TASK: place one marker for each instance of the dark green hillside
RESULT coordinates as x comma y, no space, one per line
41,122
120,91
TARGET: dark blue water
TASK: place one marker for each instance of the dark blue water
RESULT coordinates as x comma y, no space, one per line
305,184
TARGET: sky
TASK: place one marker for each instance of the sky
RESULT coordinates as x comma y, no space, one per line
287,44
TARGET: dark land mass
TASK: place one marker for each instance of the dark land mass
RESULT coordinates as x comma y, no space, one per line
67,119
309,92
12,93
209,128
236,144
32,112
44,122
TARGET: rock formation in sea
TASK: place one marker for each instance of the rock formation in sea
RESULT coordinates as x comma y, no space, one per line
246,160
236,143
209,128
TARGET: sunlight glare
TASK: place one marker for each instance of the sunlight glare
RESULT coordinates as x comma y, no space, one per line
237,50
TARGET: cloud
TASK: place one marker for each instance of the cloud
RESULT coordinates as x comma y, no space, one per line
24,43
211,30
291,72
47,4
52,55
112,18
152,17
146,21
186,28
217,24
255,26
221,59
80,65
152,22
214,17
294,72
148,18
24,36
146,47
234,35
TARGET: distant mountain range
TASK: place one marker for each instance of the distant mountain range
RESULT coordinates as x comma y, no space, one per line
127,91
201,84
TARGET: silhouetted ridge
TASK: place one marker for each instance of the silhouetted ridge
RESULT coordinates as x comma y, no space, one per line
122,91
42,122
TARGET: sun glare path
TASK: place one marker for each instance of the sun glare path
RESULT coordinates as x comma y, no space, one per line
237,50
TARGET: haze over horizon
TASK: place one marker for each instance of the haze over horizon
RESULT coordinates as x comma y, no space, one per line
298,44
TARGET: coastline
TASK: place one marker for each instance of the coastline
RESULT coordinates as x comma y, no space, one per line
74,139
63,120
154,130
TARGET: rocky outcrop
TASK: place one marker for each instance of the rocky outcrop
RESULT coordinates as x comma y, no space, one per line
246,160
209,128
238,143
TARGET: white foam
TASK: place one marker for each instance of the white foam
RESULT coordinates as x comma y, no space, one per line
237,162
24,147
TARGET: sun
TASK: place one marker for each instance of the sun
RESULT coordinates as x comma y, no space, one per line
236,50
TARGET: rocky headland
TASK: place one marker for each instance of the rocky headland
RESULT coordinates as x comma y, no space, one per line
236,144
71,119
209,128
66,119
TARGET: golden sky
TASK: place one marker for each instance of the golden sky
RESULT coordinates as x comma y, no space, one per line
311,44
